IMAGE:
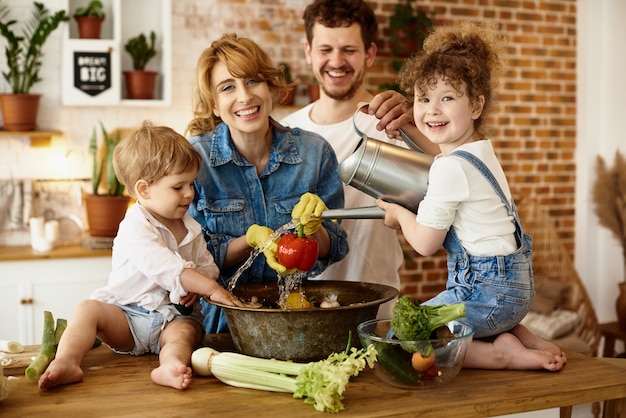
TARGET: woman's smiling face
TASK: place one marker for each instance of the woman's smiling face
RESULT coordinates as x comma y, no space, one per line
445,115
244,104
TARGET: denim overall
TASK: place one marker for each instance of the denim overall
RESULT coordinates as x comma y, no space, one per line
497,290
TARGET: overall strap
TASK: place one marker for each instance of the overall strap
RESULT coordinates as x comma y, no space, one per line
484,170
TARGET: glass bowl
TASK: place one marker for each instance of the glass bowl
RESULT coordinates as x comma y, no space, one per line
395,357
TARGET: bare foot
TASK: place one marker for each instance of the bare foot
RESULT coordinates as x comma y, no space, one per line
176,375
60,373
531,341
520,357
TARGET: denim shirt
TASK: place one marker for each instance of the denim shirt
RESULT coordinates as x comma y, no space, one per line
230,196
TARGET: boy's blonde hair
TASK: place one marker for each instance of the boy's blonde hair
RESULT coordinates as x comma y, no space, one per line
152,152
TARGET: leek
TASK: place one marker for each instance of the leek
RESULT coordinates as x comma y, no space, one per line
49,342
320,383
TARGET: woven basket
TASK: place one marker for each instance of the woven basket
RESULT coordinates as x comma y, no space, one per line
552,261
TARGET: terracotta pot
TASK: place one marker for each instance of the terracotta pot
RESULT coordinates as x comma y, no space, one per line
140,84
620,306
104,214
19,111
89,26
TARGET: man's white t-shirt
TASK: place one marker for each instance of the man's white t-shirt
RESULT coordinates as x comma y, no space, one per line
375,254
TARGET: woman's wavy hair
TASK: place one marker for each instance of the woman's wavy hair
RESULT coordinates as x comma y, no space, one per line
244,58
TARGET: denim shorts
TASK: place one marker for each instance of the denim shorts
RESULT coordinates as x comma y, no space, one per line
495,301
146,327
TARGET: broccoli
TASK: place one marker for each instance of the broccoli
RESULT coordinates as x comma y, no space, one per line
413,321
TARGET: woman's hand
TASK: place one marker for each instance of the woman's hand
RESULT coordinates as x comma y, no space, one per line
257,236
308,212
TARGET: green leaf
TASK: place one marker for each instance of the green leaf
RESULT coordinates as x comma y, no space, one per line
23,52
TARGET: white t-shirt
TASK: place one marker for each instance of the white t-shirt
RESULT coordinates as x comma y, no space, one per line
458,194
147,262
375,254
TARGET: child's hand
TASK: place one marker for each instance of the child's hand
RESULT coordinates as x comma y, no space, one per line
391,213
189,299
223,296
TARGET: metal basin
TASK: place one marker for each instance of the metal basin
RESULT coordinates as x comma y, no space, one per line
303,334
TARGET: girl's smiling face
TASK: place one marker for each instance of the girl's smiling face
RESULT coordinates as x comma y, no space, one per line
244,104
446,116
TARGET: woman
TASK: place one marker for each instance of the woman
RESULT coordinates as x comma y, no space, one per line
255,170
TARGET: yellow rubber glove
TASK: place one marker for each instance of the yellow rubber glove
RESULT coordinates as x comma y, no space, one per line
308,210
256,236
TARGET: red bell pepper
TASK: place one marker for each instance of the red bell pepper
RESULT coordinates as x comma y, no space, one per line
297,251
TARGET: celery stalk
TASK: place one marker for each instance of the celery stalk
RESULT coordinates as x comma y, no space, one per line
321,383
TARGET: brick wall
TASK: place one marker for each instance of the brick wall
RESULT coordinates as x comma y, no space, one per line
535,135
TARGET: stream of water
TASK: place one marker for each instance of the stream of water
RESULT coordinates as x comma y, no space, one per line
256,251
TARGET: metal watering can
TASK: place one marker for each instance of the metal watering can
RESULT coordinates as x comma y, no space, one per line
385,171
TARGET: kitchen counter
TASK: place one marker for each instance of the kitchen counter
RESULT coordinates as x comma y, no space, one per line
120,385
64,251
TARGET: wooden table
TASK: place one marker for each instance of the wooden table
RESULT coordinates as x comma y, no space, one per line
120,386
611,332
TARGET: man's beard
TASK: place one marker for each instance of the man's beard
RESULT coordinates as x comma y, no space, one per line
348,94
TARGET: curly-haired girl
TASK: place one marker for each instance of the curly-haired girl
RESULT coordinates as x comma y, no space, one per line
468,207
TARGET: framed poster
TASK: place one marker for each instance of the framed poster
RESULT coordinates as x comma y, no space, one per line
91,73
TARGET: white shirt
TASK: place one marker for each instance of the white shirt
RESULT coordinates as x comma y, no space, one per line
147,262
458,194
375,253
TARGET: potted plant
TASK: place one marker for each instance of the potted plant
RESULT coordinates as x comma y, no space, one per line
23,54
89,19
288,97
106,204
408,27
609,198
140,82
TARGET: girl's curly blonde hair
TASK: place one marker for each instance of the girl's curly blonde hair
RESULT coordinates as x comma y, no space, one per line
468,53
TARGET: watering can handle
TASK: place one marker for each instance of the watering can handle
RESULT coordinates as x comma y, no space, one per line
366,212
404,136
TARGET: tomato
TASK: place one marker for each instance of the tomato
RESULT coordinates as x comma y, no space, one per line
421,363
297,300
431,372
297,251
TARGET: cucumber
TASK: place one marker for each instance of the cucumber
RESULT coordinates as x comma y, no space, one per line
395,363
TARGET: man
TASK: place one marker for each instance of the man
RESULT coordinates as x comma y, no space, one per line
340,47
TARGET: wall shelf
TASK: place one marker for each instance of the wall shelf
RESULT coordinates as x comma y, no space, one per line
92,68
37,138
